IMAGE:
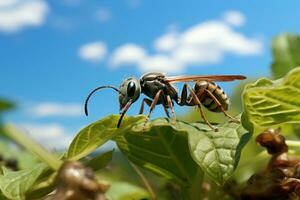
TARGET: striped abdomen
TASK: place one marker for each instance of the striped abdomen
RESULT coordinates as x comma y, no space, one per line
200,90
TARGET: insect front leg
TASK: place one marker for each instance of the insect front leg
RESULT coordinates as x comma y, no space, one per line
153,104
148,102
220,106
198,103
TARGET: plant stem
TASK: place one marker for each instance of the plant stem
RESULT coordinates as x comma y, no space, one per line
24,140
292,143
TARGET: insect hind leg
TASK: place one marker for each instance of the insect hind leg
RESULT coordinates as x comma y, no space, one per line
170,104
183,98
198,103
220,106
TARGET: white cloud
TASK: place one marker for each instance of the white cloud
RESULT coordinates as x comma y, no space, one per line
218,36
189,55
128,54
160,63
18,14
235,18
48,109
53,135
7,3
204,43
103,15
166,42
93,52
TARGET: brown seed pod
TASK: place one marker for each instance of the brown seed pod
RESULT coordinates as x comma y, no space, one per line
77,182
280,180
272,141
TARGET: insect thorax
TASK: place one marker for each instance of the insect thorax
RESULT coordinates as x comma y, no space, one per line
152,82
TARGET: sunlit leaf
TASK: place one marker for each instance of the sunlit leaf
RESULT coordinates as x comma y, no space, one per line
172,151
15,184
218,153
43,185
286,54
98,133
160,148
268,103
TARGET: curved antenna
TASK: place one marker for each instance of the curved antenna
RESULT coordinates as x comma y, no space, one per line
92,92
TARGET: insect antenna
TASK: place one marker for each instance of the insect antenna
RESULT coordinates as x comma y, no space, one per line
92,92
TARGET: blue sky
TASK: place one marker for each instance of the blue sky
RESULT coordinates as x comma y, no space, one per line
54,52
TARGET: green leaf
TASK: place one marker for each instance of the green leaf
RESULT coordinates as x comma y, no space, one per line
218,153
6,105
15,184
269,103
126,191
98,133
100,161
286,54
44,185
160,148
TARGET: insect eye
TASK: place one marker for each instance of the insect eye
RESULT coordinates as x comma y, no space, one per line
131,89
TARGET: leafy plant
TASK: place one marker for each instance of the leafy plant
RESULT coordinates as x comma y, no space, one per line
188,156
269,103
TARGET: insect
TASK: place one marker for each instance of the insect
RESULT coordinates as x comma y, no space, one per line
159,90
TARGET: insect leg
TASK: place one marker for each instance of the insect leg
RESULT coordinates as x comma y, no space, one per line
153,104
148,102
198,103
183,97
166,111
170,104
220,106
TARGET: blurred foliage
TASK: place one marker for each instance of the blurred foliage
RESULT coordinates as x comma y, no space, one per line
6,105
286,51
126,191
99,161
